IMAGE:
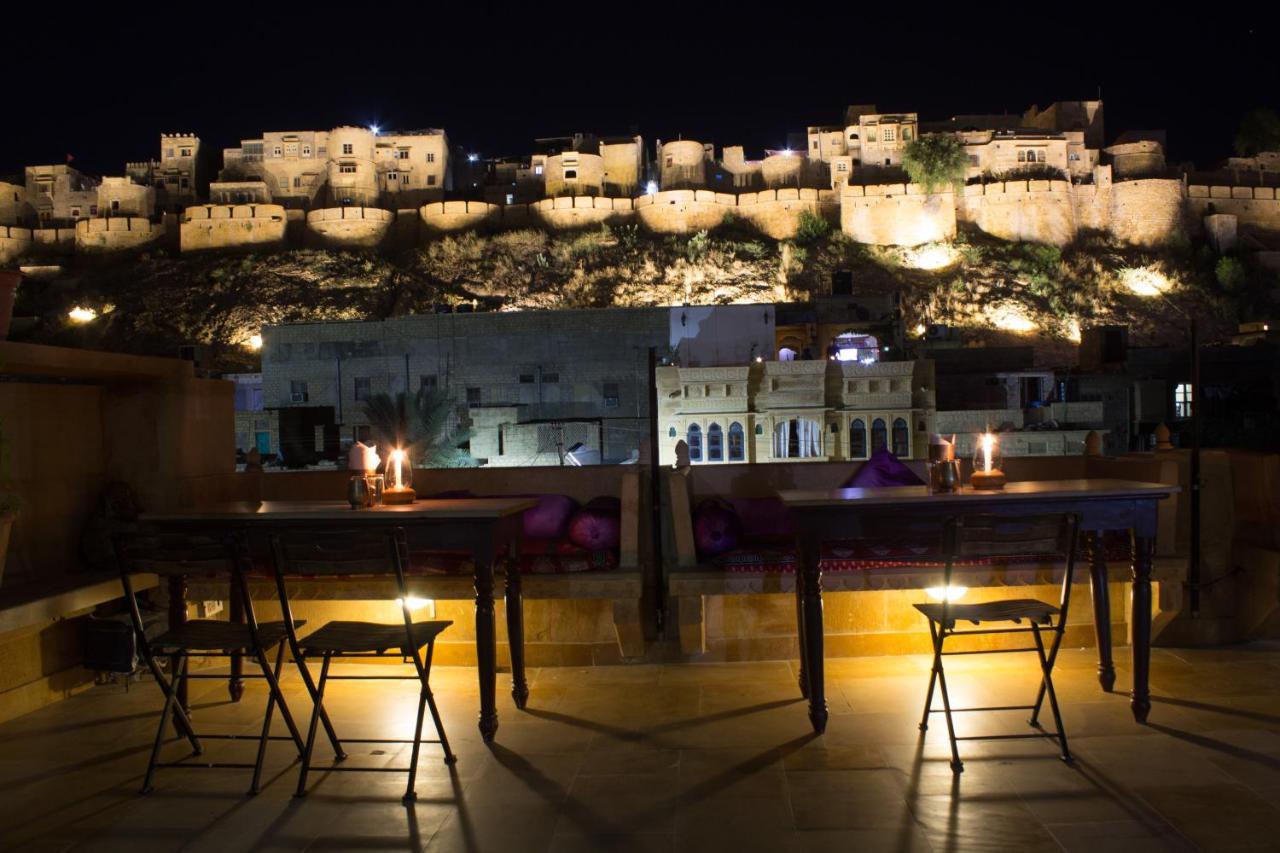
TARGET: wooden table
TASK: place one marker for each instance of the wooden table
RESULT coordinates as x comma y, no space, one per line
488,528
1103,505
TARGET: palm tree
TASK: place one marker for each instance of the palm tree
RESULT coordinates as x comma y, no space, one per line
421,426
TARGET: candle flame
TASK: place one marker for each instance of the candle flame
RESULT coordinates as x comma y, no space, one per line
988,451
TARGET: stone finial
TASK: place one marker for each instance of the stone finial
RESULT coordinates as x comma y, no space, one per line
682,454
1093,443
1162,438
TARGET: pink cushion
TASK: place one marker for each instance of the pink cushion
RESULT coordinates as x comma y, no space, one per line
716,528
598,525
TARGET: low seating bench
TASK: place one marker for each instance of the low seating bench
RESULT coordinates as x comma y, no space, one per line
691,587
622,586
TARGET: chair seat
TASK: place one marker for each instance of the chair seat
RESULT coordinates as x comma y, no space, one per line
1009,610
205,635
344,637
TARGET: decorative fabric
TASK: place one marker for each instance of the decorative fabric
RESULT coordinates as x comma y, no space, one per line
883,469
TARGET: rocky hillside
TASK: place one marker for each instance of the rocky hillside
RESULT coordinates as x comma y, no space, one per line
997,291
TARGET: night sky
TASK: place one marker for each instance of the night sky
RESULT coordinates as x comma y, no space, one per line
102,88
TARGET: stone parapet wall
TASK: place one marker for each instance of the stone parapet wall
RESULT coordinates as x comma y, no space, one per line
14,243
228,226
1256,206
445,217
350,226
1149,211
569,212
119,233
897,214
1038,211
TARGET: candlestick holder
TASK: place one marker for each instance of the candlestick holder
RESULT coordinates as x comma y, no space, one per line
987,459
398,479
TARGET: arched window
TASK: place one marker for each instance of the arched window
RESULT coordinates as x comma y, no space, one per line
1022,156
857,439
715,443
901,439
797,438
694,440
879,436
737,443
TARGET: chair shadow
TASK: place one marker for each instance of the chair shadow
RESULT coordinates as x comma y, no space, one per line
638,736
1257,716
1268,761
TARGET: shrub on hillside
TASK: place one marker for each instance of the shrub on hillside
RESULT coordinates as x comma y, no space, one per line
936,161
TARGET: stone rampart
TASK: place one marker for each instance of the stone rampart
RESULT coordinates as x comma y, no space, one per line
1148,211
228,226
447,217
14,243
684,211
1255,206
897,215
116,234
1038,211
349,226
567,213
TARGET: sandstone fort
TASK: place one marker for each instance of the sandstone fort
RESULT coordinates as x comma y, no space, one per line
1045,176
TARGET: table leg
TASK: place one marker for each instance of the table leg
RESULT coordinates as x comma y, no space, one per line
178,618
800,633
810,555
486,648
235,685
515,629
1101,593
1143,550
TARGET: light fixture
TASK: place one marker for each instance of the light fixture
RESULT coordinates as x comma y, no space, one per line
472,158
651,188
954,592
934,256
1011,318
80,314
920,330
1145,281
416,603
254,342
374,129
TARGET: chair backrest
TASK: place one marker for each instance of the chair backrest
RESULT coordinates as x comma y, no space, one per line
322,552
167,553
312,553
182,554
1039,537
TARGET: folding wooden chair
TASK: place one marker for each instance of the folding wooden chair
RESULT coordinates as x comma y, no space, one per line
1029,537
169,554
311,553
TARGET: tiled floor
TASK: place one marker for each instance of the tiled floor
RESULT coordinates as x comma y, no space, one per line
688,758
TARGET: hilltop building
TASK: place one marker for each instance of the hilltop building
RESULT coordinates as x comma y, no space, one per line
343,167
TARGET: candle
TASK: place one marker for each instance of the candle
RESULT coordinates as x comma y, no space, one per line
397,455
986,464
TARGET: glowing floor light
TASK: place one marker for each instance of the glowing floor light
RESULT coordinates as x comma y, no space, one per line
953,592
80,314
416,603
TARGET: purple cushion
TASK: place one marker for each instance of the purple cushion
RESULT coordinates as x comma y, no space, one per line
764,519
716,528
598,525
883,469
550,518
